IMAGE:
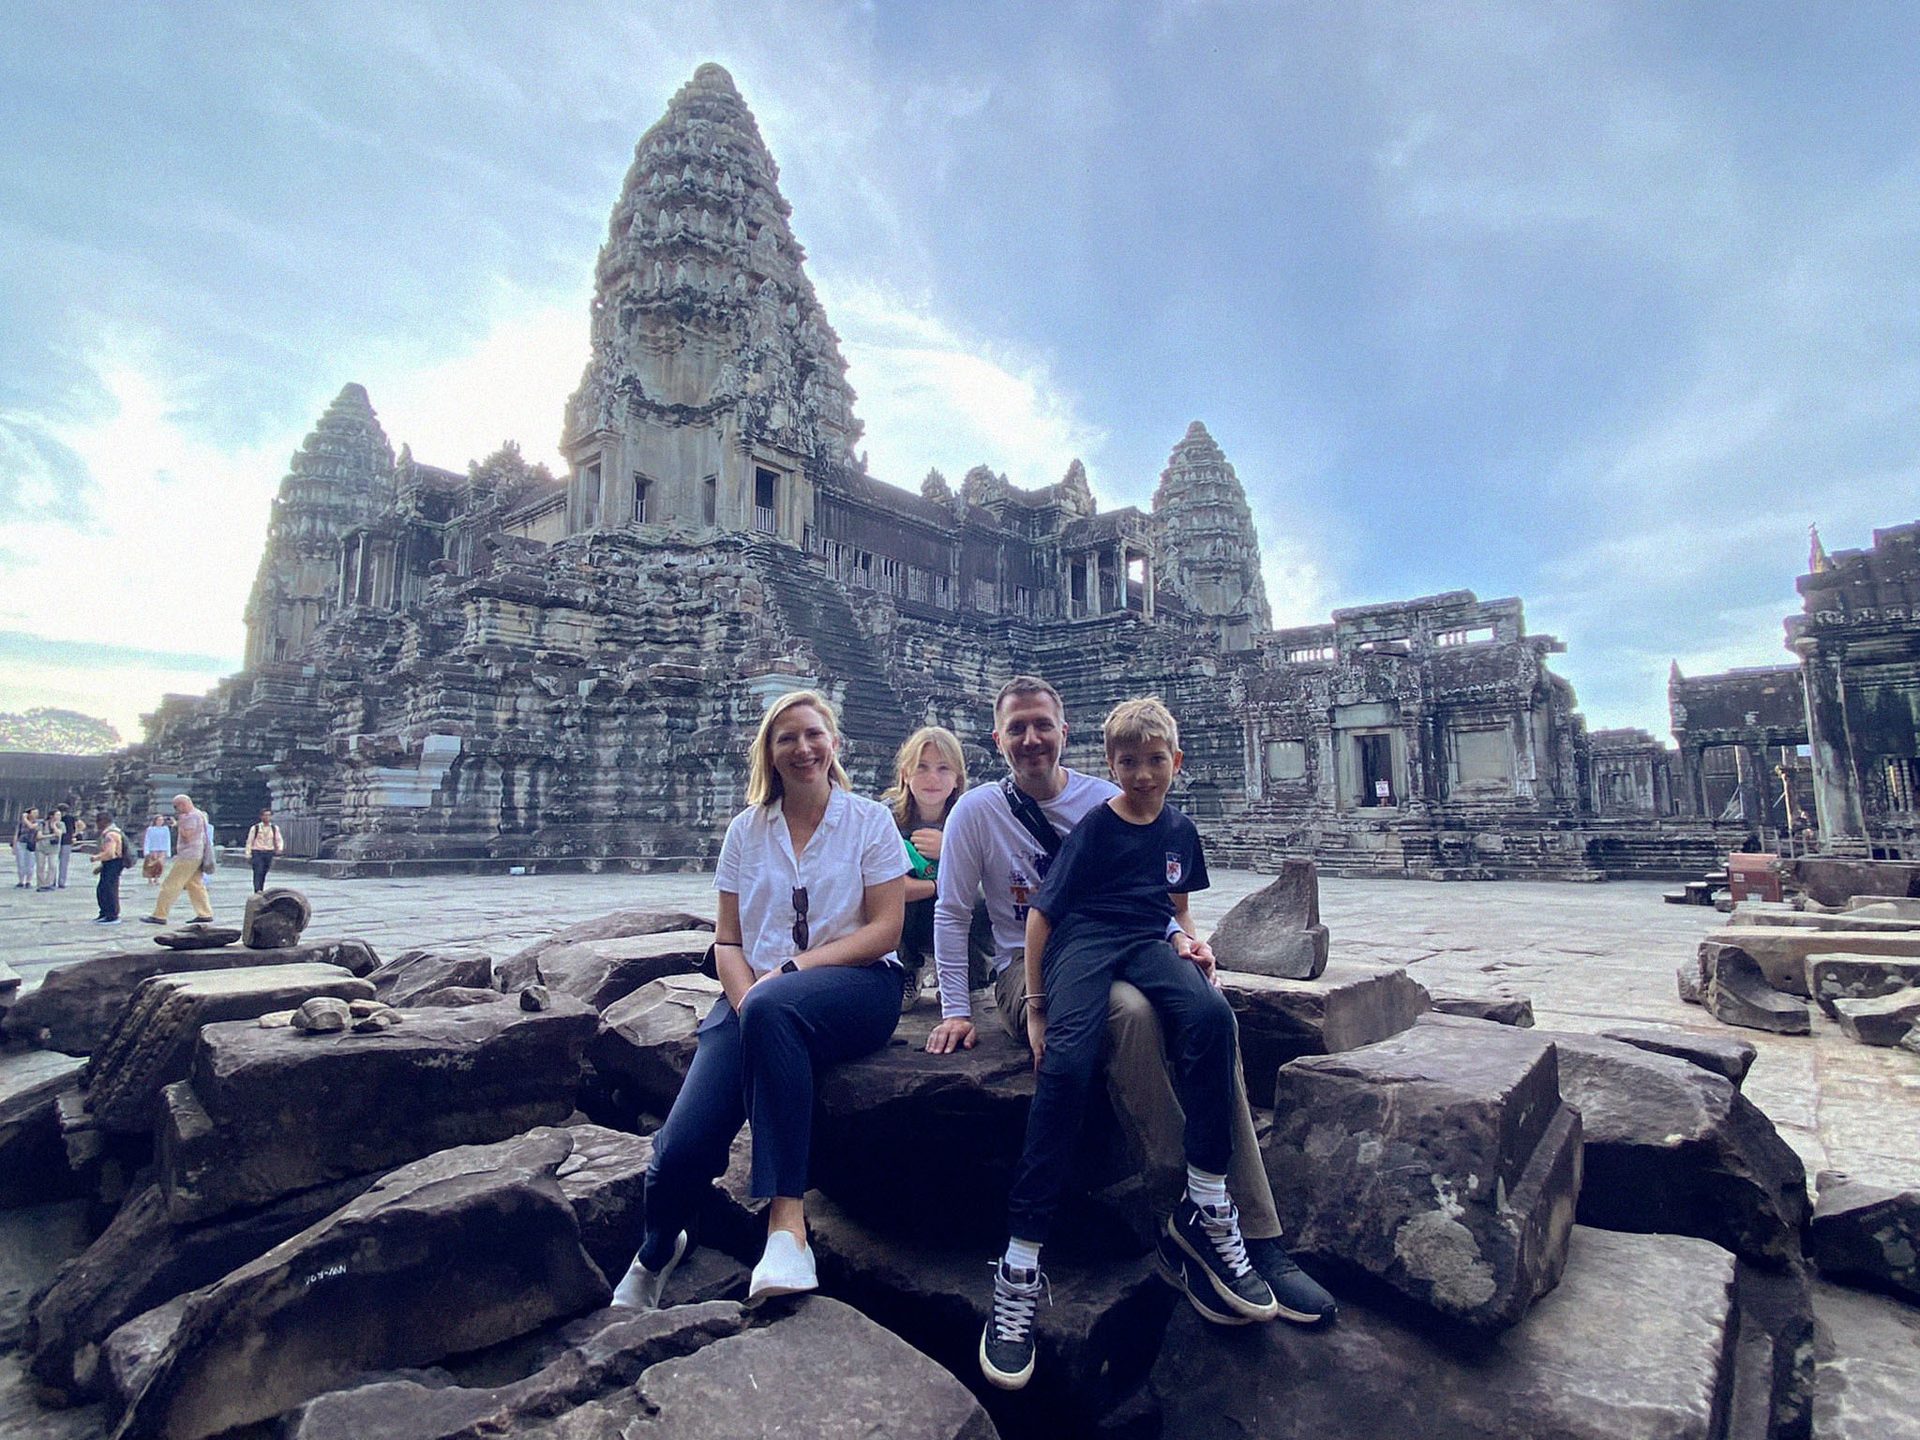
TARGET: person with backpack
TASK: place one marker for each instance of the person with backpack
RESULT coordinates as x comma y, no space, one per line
109,859
264,841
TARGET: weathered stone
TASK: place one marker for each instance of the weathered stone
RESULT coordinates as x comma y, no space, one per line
1738,994
1782,952
1867,1234
648,1040
1884,1020
1353,1003
1692,990
322,1015
523,968
152,1043
76,1005
1723,1055
198,937
1853,977
454,997
361,1006
1633,1345
536,997
268,1112
1441,1162
33,1164
601,972
459,1250
375,1021
1500,1005
1865,1380
1771,1395
9,988
1833,881
1276,930
274,919
129,1356
414,973
142,1261
604,1179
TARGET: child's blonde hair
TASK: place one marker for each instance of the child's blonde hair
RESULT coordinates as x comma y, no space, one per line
1145,721
900,798
763,781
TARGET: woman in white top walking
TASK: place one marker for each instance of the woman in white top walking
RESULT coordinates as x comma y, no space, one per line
810,897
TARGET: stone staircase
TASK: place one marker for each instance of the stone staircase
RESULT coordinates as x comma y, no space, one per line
812,611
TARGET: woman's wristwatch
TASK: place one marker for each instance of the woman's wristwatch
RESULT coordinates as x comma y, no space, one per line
790,966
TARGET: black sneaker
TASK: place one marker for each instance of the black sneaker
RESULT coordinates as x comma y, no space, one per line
1186,1275
1301,1298
1006,1344
1211,1236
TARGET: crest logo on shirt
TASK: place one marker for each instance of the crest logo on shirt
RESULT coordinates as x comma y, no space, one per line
1174,870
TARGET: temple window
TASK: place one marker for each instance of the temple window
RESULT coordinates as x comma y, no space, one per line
641,487
765,490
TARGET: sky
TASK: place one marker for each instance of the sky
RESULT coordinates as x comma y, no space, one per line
1597,305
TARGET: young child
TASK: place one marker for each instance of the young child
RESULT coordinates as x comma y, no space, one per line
1114,906
930,774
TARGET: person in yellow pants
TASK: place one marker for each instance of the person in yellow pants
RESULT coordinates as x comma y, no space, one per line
194,837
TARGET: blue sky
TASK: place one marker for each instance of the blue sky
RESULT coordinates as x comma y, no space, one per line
1596,305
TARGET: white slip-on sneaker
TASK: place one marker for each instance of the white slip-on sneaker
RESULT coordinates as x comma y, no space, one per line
785,1268
641,1288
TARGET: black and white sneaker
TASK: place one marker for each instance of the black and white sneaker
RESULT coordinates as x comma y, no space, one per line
1006,1344
1210,1235
1301,1298
1189,1277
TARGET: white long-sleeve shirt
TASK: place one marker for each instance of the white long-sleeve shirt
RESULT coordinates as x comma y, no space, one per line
986,851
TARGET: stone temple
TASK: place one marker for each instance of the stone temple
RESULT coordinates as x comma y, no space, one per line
503,665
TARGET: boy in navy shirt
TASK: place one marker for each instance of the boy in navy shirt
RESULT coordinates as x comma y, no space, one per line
1113,906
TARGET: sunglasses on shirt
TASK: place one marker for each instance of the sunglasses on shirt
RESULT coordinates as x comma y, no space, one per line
800,933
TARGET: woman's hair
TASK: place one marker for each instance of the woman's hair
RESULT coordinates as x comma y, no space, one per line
900,798
763,781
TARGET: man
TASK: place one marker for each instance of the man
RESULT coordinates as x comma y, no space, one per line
70,828
194,840
110,858
263,843
991,852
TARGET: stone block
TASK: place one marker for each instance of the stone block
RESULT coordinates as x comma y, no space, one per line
1857,977
602,972
1723,1055
1442,1163
152,1043
1771,1395
1867,1234
267,1112
647,1041
1832,881
75,1005
412,974
1885,1020
198,937
1737,993
33,1162
450,1253
9,988
1500,1005
274,919
604,1179
1276,930
522,968
454,997
1687,981
1353,1003
1632,1345
1865,1349
1782,952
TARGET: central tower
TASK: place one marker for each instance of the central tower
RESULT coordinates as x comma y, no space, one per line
716,392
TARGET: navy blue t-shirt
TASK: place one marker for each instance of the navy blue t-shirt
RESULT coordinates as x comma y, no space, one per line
1118,873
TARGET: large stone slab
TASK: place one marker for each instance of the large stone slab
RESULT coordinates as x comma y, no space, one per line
459,1250
1781,952
1723,1055
151,1044
1498,1003
1632,1345
1442,1163
33,1162
198,937
644,1049
522,968
1867,1349
1867,1234
604,1179
1353,1003
1771,1397
1276,930
413,974
269,1112
1884,1020
142,1261
601,972
1858,977
1738,993
75,1005
1832,881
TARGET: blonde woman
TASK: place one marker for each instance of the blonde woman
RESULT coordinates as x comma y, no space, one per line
810,886
930,773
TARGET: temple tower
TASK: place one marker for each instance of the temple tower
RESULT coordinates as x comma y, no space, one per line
340,477
716,390
1209,551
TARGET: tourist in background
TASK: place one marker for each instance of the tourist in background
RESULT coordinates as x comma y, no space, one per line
71,829
109,859
263,843
195,847
809,896
46,850
26,834
157,847
930,773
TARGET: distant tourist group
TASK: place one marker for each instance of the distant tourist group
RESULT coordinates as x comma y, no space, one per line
1066,895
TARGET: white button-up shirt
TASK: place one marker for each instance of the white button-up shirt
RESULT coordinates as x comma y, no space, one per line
855,846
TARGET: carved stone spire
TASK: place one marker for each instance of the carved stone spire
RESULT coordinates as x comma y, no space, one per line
703,314
1209,551
340,477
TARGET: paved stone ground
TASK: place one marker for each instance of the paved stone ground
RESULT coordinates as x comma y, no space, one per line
1590,956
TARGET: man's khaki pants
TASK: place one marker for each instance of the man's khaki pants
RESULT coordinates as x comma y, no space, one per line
1149,1111
184,875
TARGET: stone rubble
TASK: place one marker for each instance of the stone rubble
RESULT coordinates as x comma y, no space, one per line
1867,1234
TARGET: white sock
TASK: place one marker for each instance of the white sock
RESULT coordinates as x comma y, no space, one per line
1023,1255
1205,1189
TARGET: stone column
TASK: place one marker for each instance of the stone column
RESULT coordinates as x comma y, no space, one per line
1093,582
1146,590
1836,780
